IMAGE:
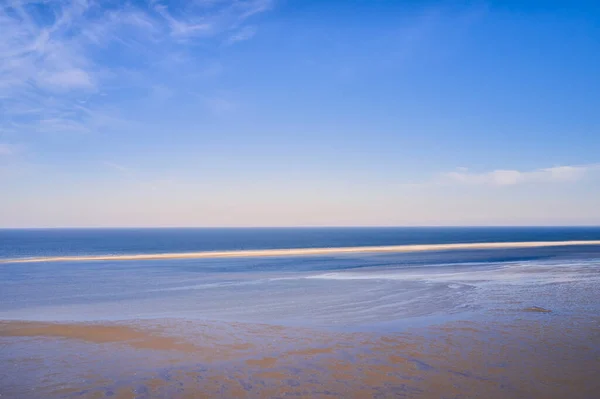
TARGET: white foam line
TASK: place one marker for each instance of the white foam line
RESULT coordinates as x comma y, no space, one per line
305,251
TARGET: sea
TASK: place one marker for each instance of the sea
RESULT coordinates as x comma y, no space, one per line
359,291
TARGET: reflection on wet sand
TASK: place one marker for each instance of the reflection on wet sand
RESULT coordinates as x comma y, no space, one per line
536,356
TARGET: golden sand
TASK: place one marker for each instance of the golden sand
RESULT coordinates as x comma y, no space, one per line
524,358
95,333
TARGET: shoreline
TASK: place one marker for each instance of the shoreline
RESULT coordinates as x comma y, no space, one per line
257,253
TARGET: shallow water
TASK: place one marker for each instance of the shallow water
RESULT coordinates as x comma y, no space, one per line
344,291
459,324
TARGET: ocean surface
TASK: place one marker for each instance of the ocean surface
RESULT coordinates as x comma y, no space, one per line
358,291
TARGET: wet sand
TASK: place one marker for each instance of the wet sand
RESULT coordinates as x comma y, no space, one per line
306,251
525,355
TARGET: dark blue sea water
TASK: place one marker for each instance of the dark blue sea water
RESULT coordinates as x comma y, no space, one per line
54,242
347,291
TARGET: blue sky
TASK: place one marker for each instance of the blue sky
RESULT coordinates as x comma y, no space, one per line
286,113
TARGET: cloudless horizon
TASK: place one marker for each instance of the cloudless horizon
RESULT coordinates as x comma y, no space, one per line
251,113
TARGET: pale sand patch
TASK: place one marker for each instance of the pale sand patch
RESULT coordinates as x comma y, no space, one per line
95,333
305,251
265,362
206,347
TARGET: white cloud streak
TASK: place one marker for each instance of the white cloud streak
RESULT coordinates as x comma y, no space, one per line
241,35
69,79
58,54
37,54
180,27
511,177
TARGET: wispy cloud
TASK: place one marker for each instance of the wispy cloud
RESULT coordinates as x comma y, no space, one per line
38,54
241,35
511,177
58,54
249,8
68,79
182,27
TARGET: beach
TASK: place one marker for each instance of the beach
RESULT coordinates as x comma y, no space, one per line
230,199
532,357
496,319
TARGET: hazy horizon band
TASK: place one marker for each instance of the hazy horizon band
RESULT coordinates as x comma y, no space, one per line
304,251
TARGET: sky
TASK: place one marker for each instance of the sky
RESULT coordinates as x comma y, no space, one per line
299,113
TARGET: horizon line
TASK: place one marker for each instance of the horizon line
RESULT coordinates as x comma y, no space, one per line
304,227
